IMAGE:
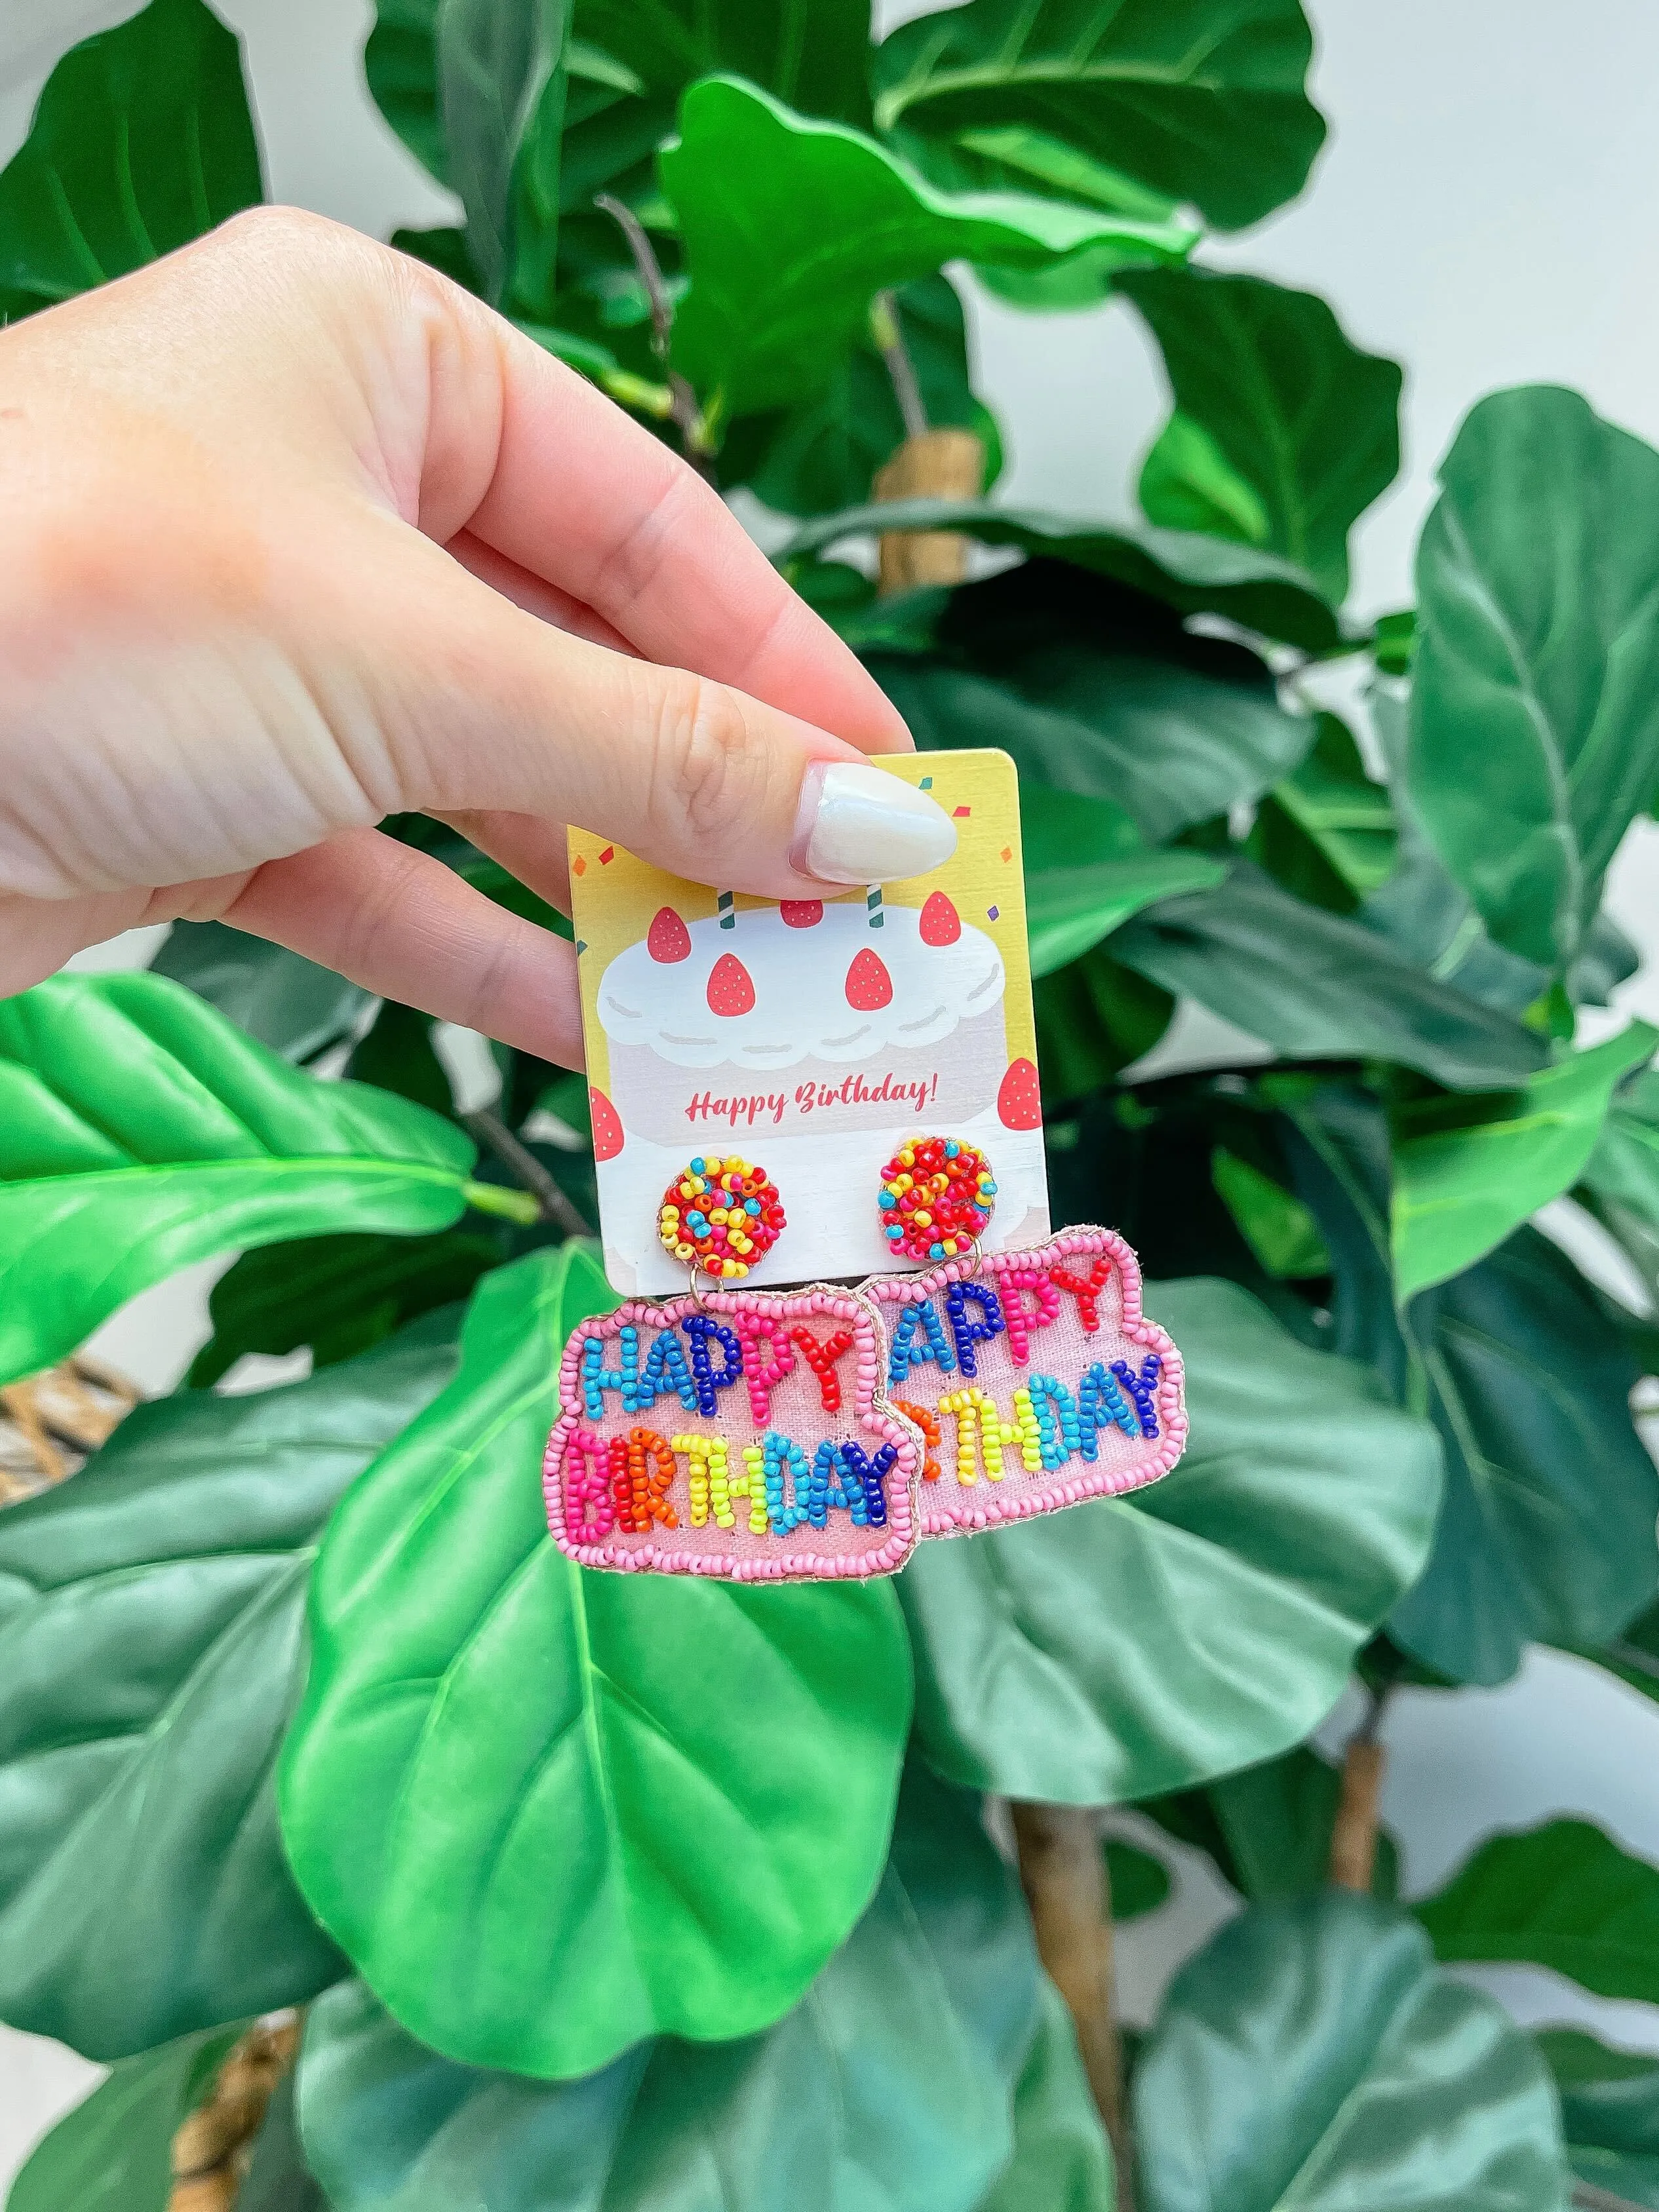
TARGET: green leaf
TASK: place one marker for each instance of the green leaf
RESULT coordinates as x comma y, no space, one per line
502,93
1139,1883
151,1641
1014,156
1467,1171
1623,1174
1609,2113
492,1711
113,2153
1319,987
1056,1659
1192,574
815,54
290,1004
1098,691
278,2179
1546,1531
1186,483
1200,98
1535,688
1268,1827
142,141
1087,870
1094,1019
1061,2160
338,1295
1564,1896
1279,1228
888,2086
1309,423
397,1055
1311,2057
1326,833
822,455
789,225
140,1131
400,62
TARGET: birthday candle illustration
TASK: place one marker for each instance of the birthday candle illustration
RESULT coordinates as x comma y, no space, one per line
873,906
727,912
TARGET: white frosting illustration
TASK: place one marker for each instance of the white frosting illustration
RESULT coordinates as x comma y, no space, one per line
771,993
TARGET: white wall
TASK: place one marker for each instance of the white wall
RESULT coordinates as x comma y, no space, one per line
1485,212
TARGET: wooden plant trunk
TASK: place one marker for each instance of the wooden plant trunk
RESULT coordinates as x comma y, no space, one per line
932,464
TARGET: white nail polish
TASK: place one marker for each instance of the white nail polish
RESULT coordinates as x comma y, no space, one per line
861,825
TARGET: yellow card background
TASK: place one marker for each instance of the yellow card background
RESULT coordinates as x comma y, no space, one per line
834,1227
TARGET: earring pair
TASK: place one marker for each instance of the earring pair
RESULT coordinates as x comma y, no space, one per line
722,1214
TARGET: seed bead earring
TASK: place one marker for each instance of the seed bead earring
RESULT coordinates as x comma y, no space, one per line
936,1199
721,1217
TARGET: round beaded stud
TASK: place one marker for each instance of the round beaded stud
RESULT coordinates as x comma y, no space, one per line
937,1196
721,1216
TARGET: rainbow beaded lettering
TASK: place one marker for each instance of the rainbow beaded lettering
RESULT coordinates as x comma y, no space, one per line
741,1434
1036,1380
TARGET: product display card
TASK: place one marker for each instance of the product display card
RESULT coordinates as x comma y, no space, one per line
811,1040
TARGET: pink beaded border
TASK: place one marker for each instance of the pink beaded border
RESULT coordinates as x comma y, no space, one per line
870,1341
1062,1489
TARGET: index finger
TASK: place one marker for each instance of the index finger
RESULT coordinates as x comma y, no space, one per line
585,498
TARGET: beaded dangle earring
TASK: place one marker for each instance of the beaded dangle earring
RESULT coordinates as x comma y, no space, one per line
721,1216
937,1198
1038,1360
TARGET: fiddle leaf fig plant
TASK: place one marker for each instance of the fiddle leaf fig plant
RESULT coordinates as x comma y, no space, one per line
640,1896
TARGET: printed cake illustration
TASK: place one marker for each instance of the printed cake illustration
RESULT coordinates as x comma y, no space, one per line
812,1037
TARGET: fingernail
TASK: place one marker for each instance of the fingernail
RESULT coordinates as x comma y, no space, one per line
861,825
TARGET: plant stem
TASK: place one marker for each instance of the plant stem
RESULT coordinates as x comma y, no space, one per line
886,330
211,2147
1353,1836
687,415
552,1204
1062,1866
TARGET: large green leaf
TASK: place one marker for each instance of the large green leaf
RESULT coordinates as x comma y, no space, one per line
1186,483
815,54
1062,2162
338,1295
1609,2113
400,61
1311,2057
1309,423
501,73
278,2177
142,141
1096,691
822,455
491,1710
113,2152
1087,870
151,1639
1547,1529
290,1004
1563,1896
1320,987
886,2090
1623,1173
1467,1171
1326,833
1200,99
790,225
1268,1828
140,1130
1134,1645
1192,574
1535,691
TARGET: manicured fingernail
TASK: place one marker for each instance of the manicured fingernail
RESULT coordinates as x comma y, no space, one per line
861,825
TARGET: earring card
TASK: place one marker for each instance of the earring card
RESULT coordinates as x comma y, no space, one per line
812,1038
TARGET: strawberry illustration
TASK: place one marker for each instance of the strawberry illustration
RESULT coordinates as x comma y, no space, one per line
940,922
670,939
1019,1102
731,988
607,1125
801,913
868,983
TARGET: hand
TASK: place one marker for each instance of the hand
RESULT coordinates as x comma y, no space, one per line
299,535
